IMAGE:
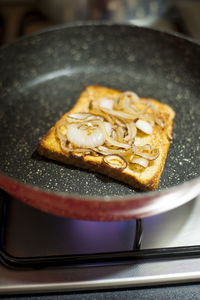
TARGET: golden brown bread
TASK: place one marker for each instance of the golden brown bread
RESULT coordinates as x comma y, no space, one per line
138,177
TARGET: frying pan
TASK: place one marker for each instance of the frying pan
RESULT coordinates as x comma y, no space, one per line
41,78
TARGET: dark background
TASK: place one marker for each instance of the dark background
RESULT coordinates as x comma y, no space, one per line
19,18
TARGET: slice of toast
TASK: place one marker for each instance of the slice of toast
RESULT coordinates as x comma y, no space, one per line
138,177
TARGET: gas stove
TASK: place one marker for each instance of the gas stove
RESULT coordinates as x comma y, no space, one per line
45,253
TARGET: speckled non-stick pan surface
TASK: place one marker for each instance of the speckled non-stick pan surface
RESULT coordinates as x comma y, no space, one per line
41,77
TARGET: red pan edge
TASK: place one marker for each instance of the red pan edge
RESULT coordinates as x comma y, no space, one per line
112,209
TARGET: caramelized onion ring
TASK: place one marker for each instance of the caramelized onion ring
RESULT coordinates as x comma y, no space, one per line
115,161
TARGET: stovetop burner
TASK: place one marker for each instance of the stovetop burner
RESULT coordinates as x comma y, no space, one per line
77,234
41,252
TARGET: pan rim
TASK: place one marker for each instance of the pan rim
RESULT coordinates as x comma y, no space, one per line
77,24
136,196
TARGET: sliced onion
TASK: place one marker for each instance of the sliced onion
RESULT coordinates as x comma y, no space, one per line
144,126
129,105
109,139
69,148
148,105
160,122
81,117
145,151
115,143
112,151
119,104
105,151
154,154
121,124
115,161
123,103
59,130
138,149
77,117
154,107
92,137
135,98
106,103
132,131
134,108
132,95
140,161
108,128
120,133
121,114
99,114
147,117
114,134
64,147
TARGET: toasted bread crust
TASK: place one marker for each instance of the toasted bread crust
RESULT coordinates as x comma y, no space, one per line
148,179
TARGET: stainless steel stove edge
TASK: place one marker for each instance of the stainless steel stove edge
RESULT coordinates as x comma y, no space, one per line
148,273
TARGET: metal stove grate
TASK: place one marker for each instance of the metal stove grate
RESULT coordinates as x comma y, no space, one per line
39,262
59,260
